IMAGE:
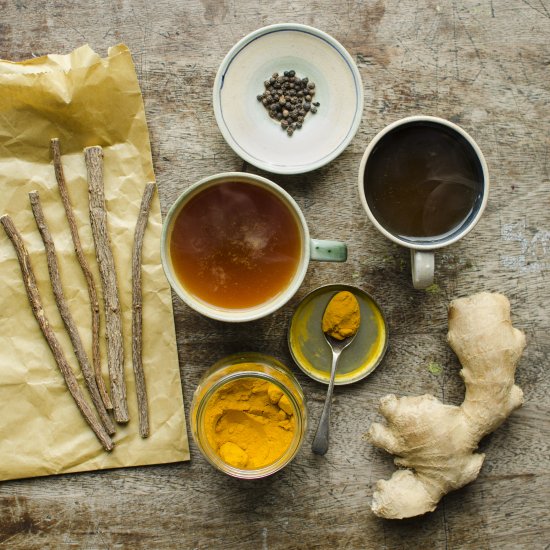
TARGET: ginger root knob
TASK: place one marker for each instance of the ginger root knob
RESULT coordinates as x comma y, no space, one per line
435,443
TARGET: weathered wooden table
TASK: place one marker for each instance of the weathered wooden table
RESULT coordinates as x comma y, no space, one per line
484,65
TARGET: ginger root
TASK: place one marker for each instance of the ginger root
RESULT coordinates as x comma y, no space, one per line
436,443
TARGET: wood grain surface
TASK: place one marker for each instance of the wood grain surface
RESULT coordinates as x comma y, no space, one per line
482,64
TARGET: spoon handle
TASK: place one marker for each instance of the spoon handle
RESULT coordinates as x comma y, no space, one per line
320,441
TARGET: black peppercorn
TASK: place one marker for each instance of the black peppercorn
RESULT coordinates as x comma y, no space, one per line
288,98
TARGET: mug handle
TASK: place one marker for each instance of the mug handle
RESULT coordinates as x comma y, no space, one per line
328,251
422,267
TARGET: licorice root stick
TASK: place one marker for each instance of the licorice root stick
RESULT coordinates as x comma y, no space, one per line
137,304
113,319
36,305
66,316
92,292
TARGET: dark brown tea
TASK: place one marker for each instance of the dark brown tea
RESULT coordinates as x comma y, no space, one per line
235,245
422,181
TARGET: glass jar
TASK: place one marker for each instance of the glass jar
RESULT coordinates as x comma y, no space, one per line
247,365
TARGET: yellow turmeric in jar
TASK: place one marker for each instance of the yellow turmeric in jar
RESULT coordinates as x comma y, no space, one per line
342,316
249,423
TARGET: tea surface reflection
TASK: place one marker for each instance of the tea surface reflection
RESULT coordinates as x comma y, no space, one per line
235,245
422,181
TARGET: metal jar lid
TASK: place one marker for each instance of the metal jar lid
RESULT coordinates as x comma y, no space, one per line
311,351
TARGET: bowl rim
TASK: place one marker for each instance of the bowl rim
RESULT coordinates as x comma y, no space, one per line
218,85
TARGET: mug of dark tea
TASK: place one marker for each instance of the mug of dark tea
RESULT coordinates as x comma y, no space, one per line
424,184
236,247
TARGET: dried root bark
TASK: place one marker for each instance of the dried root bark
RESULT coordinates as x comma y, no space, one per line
436,443
137,336
92,292
66,316
113,319
33,294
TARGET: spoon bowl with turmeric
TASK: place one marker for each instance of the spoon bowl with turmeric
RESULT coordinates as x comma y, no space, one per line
340,326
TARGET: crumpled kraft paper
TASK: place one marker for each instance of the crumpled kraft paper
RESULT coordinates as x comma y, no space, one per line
83,100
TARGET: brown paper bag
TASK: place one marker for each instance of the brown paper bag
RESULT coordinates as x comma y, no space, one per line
83,100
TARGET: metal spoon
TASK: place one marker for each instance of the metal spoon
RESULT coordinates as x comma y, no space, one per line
320,442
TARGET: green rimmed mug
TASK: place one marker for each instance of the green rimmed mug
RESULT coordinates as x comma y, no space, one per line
311,249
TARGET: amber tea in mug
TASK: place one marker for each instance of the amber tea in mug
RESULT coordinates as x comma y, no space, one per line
423,181
235,245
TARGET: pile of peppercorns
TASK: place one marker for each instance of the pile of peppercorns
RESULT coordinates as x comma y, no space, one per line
288,99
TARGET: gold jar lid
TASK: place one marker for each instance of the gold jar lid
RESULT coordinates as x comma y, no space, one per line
311,351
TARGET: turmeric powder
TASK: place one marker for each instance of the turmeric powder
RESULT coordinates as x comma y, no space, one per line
342,316
249,423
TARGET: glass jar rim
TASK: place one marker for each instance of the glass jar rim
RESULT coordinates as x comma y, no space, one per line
202,440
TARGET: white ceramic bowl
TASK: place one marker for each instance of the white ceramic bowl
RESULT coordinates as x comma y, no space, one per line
244,121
